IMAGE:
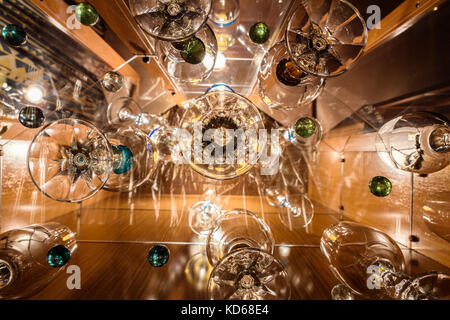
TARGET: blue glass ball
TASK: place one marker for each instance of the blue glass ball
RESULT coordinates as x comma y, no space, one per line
158,256
14,35
31,117
124,161
58,256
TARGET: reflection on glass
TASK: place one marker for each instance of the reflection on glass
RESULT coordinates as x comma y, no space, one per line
295,209
202,216
371,264
281,84
436,216
170,20
69,160
222,141
240,245
341,292
415,142
31,257
190,60
123,109
224,12
325,38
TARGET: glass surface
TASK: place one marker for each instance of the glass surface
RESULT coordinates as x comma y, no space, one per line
325,38
186,67
281,94
24,253
224,12
69,160
415,142
249,274
170,20
237,229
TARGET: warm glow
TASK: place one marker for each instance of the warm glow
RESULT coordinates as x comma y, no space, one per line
34,93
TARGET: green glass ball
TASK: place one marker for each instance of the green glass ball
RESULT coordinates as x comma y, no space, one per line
305,127
58,256
86,14
259,33
193,51
14,35
380,186
158,256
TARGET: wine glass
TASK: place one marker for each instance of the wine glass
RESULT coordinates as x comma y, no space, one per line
281,84
326,38
70,160
189,60
240,245
415,142
170,20
30,257
214,142
296,211
371,264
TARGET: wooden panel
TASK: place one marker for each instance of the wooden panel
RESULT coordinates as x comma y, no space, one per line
121,271
57,10
399,20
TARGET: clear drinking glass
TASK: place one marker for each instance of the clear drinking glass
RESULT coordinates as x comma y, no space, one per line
326,38
240,246
415,142
30,257
70,160
231,123
170,20
371,264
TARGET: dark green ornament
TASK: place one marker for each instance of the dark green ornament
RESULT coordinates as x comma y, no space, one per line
58,256
31,117
86,14
380,186
14,35
193,51
305,127
158,256
259,33
123,159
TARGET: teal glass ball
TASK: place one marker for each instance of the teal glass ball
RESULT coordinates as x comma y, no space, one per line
14,35
305,127
123,159
58,256
259,33
193,51
86,14
31,117
380,186
158,256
